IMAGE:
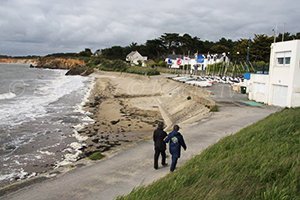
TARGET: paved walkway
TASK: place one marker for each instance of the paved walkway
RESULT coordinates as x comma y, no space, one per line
134,167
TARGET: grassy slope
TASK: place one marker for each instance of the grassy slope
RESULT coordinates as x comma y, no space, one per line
261,161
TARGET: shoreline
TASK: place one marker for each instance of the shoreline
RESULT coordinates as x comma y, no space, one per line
49,134
125,109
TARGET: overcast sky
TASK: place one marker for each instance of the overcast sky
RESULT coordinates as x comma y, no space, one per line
39,27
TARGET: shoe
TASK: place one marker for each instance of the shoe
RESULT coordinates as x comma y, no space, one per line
155,168
166,164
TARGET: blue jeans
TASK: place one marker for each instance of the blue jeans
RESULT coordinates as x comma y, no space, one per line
174,162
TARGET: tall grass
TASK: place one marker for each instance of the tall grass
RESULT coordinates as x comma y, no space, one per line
261,161
142,70
121,66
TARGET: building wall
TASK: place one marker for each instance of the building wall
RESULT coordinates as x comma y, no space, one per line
136,58
258,87
283,83
282,76
295,100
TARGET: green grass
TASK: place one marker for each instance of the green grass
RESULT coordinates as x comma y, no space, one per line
121,66
261,161
142,70
96,156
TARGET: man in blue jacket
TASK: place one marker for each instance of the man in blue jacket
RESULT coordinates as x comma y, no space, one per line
176,141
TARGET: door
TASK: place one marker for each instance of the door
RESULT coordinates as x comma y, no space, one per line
260,92
279,97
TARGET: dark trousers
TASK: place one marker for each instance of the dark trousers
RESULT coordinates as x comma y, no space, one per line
156,156
174,162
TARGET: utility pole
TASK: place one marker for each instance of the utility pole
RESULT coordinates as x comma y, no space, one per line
248,52
283,32
274,31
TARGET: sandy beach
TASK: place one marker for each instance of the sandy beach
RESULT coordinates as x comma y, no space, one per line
126,108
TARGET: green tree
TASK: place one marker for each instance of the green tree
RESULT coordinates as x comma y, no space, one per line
218,48
206,46
155,48
239,51
228,43
261,47
171,41
114,53
86,53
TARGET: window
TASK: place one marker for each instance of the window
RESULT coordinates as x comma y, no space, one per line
287,60
283,58
280,61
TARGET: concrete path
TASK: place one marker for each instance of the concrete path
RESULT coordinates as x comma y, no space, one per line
134,167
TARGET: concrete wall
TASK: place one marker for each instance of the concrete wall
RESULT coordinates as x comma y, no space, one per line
285,75
258,87
283,82
295,100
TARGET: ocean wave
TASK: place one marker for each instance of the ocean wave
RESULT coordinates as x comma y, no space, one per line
29,108
9,95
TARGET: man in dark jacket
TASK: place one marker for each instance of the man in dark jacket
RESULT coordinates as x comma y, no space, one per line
159,145
176,141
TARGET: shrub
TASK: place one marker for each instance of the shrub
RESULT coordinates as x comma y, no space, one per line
96,156
162,63
114,65
94,61
142,70
214,108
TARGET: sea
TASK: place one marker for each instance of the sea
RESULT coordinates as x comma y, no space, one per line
40,110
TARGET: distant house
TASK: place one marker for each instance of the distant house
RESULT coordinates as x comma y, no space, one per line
198,61
98,52
135,58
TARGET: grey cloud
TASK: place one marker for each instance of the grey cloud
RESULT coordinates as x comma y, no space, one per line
41,27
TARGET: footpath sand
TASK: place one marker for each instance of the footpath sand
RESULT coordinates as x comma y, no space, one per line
127,107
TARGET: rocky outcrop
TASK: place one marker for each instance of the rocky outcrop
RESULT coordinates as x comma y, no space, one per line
47,62
58,63
75,66
80,70
32,61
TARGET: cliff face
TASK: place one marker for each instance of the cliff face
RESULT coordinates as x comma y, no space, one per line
18,61
58,63
47,62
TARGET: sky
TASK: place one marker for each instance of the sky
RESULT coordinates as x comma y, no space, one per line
40,27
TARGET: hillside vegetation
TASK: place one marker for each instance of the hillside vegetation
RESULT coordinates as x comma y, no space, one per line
261,161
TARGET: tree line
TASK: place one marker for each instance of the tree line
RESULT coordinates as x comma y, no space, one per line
174,43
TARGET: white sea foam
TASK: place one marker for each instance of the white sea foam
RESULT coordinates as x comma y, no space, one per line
79,137
70,158
46,153
80,108
30,107
46,97
21,174
9,95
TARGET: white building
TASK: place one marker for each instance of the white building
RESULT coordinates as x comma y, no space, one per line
135,58
282,86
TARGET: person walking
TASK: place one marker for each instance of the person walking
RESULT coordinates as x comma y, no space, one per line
176,141
159,145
